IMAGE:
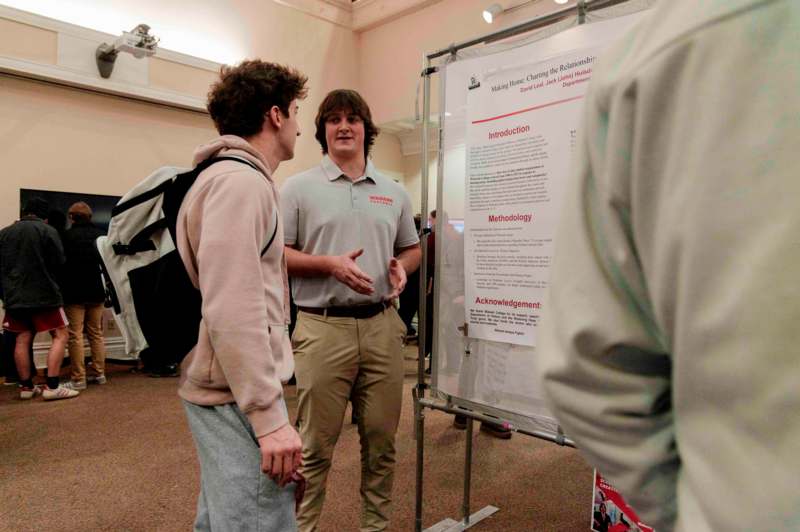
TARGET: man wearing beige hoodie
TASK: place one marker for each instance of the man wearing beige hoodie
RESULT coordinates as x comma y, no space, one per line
230,238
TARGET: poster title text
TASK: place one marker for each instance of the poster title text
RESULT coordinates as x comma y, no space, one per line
532,77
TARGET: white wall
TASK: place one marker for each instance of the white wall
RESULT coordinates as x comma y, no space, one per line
391,55
412,167
213,30
63,139
54,138
387,158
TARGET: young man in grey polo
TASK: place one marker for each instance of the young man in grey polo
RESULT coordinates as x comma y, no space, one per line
350,241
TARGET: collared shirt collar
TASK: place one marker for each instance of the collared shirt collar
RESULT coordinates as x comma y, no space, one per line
333,172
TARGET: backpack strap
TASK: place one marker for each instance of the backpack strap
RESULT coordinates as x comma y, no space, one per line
141,198
211,160
142,242
208,162
274,232
160,189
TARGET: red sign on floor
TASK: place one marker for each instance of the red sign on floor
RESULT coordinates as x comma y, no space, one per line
610,512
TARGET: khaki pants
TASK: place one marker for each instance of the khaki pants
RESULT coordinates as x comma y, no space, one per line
336,359
88,316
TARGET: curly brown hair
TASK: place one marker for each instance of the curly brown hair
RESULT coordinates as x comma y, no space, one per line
245,93
348,101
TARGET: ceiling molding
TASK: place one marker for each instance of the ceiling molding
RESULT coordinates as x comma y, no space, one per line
70,78
368,14
358,15
75,65
88,34
339,12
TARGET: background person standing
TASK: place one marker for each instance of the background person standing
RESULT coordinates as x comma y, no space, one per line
31,256
83,295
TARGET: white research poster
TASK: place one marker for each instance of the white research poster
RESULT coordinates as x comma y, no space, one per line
521,130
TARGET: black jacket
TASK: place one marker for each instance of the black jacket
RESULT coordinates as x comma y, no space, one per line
31,255
81,281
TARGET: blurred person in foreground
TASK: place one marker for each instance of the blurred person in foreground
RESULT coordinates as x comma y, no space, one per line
669,350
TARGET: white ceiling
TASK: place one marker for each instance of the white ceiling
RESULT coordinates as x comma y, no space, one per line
409,133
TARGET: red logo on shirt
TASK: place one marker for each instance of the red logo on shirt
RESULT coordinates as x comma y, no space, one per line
383,200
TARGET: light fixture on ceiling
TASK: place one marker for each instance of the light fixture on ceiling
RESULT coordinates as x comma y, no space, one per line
497,9
491,12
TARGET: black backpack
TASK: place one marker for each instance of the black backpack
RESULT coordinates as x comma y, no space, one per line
155,304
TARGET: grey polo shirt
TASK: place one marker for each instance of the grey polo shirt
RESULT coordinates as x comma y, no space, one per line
324,213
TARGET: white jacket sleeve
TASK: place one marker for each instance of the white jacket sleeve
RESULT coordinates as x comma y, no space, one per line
668,348
605,363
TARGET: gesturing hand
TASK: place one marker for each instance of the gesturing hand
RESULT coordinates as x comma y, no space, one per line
281,454
397,278
346,271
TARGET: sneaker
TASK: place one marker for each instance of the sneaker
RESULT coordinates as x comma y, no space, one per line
26,393
496,431
62,392
97,379
170,370
75,385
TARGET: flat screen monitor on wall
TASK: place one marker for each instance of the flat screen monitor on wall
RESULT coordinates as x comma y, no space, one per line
100,204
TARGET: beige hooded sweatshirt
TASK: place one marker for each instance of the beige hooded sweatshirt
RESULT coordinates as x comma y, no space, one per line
243,352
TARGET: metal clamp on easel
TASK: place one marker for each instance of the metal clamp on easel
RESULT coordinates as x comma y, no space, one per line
582,11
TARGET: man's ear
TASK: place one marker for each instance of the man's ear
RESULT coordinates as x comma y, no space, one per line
275,117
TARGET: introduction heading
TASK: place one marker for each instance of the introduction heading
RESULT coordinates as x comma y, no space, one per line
508,132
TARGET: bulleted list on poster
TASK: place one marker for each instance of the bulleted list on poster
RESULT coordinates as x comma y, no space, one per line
521,131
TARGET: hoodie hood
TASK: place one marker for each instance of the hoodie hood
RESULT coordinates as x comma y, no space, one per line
233,146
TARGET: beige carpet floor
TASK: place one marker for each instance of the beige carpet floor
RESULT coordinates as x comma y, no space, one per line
120,458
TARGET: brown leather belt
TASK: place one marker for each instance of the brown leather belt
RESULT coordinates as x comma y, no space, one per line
359,312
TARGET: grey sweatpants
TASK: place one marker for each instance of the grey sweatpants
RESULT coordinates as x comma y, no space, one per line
234,494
